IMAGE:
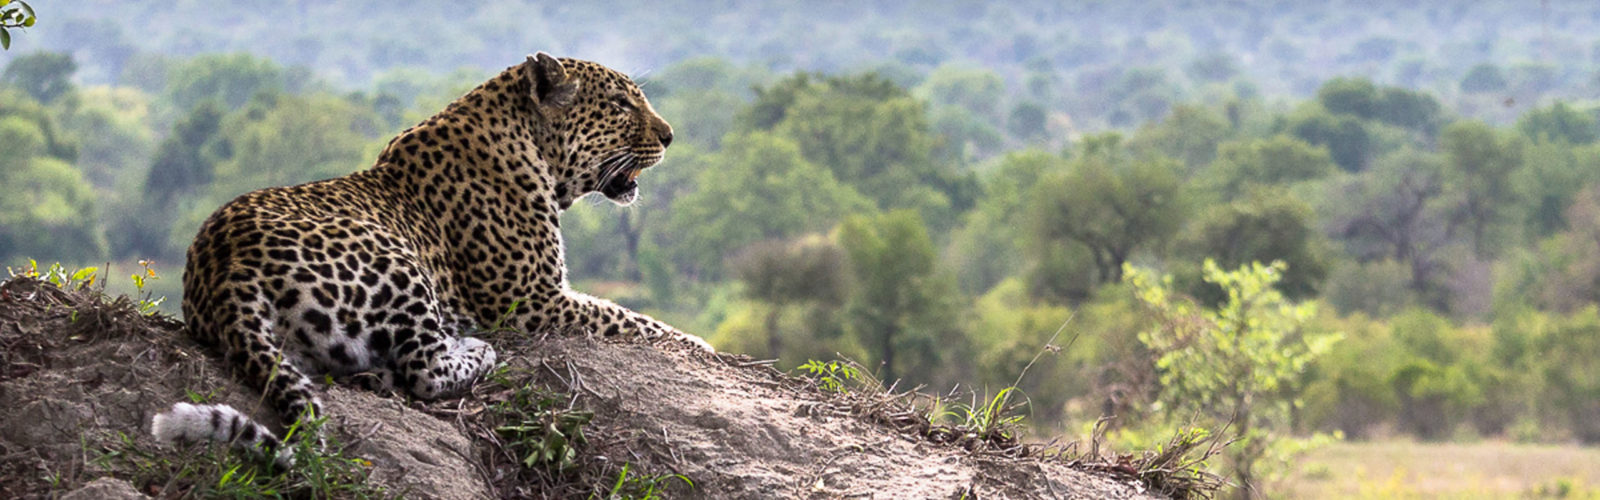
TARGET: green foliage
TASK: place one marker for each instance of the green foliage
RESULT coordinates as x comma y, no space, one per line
1481,163
14,14
1266,225
320,471
111,125
231,79
1346,137
1559,122
147,303
1397,212
763,189
1549,181
1108,201
48,207
45,76
871,134
1028,120
992,417
1278,160
831,376
631,486
1564,351
902,307
781,273
542,431
1436,385
1237,366
1213,67
1483,78
57,274
1410,109
986,248
1349,96
977,90
1190,134
184,165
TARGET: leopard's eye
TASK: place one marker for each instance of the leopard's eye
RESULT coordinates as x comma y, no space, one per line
621,101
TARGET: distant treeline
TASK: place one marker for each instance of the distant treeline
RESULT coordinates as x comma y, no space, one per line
938,224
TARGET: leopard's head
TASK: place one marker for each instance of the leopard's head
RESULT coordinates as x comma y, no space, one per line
606,130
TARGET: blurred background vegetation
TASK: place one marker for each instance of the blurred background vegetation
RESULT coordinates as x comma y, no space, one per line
933,189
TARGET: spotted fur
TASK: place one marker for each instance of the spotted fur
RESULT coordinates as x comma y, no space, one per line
382,271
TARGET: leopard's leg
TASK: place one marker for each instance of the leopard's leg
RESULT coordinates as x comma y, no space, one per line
570,310
431,358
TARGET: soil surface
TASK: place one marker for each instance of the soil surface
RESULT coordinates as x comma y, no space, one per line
81,372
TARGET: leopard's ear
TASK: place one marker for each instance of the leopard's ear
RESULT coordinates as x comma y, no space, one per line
549,81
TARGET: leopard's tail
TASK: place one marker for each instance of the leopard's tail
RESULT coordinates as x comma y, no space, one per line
199,423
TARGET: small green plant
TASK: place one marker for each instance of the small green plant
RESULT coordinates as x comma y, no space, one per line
991,417
639,487
14,14
832,375
321,469
57,274
542,430
198,398
147,305
500,322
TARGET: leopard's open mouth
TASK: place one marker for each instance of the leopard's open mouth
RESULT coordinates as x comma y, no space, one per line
620,182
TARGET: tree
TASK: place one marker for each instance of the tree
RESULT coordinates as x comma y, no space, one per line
762,188
977,90
1397,212
1566,348
1350,96
1483,78
1413,110
231,79
1481,164
1558,122
1563,274
1189,134
1107,201
1345,136
183,167
783,273
872,135
111,125
1267,225
282,140
1237,365
987,247
43,75
901,306
1274,161
1027,121
48,208
1216,66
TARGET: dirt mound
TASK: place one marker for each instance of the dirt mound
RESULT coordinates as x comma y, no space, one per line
82,376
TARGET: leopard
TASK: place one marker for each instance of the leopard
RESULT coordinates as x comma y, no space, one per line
384,275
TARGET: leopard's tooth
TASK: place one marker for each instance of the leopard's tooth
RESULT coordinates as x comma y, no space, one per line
635,174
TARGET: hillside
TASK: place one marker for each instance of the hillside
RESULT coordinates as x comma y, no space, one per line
82,373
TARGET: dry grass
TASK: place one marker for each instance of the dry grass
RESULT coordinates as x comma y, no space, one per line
1176,469
1444,470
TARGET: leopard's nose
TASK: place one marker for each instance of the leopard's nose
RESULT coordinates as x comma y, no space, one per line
666,138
